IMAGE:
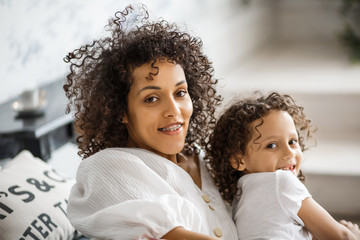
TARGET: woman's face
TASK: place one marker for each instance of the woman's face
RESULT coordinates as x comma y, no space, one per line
159,110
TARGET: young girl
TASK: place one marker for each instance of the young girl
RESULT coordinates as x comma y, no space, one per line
255,154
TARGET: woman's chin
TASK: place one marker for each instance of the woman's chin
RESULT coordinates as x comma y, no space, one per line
170,150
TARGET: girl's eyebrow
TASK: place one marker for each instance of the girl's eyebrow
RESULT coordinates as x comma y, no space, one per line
158,88
269,138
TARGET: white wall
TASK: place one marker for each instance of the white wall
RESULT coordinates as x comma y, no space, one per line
36,34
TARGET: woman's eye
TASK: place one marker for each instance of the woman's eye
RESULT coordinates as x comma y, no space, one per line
181,93
271,145
150,99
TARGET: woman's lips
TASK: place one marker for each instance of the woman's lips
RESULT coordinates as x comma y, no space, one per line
172,129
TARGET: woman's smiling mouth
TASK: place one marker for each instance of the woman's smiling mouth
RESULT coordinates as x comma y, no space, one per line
171,130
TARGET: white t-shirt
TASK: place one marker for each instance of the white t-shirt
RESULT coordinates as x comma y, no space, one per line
129,193
268,205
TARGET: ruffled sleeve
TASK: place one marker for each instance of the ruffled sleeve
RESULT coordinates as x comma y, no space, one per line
117,196
290,192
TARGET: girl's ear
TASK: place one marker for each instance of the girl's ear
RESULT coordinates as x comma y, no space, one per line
237,162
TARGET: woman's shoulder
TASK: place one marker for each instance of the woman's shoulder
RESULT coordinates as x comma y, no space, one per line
120,153
115,158
122,150
125,158
114,162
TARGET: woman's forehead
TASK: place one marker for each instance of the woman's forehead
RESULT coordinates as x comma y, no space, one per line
153,70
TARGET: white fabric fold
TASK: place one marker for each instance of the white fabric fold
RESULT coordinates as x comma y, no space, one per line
268,205
150,218
126,193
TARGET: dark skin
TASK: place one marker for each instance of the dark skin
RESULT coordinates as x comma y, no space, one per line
166,101
191,165
158,117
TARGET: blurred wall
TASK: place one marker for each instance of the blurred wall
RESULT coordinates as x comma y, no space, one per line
36,34
308,20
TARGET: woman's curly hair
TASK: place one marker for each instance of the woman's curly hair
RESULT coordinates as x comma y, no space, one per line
233,132
101,75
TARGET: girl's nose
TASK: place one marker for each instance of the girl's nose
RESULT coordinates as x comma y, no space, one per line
288,153
171,108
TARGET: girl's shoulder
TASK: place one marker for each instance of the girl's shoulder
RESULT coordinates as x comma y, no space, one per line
257,178
269,180
287,178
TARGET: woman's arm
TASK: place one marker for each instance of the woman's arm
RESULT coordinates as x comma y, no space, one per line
181,234
320,223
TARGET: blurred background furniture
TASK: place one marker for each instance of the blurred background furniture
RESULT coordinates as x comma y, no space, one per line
40,132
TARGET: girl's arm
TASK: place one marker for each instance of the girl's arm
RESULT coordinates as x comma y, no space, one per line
320,223
181,233
353,227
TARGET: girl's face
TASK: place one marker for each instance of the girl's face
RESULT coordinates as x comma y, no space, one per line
159,110
276,148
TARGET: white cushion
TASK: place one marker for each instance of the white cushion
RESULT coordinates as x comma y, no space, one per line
33,200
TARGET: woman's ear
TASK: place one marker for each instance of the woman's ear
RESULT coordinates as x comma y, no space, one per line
124,119
237,162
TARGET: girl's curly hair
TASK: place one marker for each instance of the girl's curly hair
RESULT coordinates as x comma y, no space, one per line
232,134
101,75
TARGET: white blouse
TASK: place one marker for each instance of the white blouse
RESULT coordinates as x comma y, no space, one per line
129,193
268,206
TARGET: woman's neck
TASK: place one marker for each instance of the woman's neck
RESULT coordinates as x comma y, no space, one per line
190,163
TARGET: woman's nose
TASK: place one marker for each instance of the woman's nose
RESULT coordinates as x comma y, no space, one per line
171,108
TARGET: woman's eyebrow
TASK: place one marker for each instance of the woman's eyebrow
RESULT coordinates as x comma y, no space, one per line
149,87
158,88
179,83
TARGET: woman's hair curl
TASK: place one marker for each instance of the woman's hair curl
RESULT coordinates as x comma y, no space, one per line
101,75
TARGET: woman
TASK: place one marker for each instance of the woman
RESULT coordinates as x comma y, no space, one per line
144,100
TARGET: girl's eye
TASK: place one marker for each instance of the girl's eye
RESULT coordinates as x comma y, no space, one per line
181,93
293,142
271,145
151,99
